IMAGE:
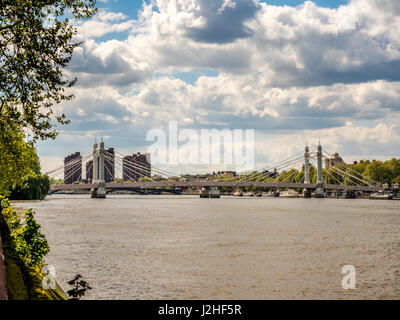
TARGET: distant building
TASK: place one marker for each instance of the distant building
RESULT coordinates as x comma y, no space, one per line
73,168
109,165
334,160
89,171
136,166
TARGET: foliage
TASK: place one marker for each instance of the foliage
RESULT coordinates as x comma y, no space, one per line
24,248
79,287
32,187
20,176
10,216
174,179
299,177
17,159
29,244
377,172
145,179
56,181
36,45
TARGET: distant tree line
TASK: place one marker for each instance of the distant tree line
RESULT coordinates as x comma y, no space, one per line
20,173
374,171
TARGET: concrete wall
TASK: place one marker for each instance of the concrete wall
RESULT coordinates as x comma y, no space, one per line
3,288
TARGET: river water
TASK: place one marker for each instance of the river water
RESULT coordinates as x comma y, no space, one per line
184,247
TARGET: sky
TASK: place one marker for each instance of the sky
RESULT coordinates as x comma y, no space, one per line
295,71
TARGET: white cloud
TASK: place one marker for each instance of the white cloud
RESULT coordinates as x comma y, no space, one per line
104,22
288,72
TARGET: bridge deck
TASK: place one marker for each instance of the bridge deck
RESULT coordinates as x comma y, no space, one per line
179,184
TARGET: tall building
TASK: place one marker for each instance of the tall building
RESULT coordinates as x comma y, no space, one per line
136,166
334,160
109,165
73,168
89,171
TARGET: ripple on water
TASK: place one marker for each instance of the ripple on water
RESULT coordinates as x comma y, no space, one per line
182,247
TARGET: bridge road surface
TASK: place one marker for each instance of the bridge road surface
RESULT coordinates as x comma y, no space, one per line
179,184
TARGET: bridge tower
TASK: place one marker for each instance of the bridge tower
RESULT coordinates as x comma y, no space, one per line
98,171
95,163
307,192
319,191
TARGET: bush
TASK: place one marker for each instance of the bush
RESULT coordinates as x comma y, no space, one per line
26,240
30,244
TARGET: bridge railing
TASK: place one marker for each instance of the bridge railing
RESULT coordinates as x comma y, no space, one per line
199,184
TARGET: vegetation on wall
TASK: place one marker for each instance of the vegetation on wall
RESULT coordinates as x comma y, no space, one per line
24,247
25,239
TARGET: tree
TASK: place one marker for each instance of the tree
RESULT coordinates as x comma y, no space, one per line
17,159
378,171
299,177
393,166
396,180
36,45
32,187
145,179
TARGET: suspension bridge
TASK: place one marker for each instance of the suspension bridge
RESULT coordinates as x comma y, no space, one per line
101,163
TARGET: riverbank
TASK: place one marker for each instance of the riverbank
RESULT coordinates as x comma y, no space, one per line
20,278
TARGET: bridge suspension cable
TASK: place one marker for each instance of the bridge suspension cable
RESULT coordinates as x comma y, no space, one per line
290,165
56,171
74,169
295,156
155,169
373,182
283,165
344,174
142,171
132,167
333,177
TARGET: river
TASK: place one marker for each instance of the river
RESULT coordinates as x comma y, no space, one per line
184,247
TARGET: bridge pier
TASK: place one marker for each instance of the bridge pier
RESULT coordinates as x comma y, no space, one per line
99,192
204,193
307,192
350,194
319,191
